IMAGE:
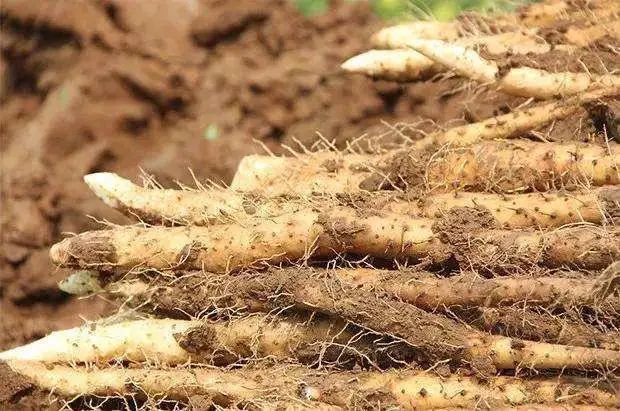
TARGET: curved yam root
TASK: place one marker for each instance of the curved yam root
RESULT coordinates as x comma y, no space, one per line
200,208
377,309
520,81
498,166
404,64
405,389
170,342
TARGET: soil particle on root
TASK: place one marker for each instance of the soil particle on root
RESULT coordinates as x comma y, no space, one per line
528,324
457,226
556,61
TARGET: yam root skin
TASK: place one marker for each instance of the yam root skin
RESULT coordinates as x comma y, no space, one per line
521,165
406,389
202,208
512,124
305,234
177,342
434,337
528,324
498,166
404,64
519,81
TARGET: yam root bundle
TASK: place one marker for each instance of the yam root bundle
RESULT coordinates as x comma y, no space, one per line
476,266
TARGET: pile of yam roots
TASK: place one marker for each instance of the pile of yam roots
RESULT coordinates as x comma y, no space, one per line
475,266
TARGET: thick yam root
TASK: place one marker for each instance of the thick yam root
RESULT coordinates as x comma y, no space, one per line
405,389
170,342
533,210
377,309
498,166
170,207
305,234
587,247
518,165
519,81
226,247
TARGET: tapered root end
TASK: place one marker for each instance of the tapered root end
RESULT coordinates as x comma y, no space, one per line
356,64
59,253
109,187
90,250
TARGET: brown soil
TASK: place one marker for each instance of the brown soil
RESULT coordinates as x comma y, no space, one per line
119,86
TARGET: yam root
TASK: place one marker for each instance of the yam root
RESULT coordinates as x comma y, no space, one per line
405,389
306,234
526,323
404,64
435,337
497,166
170,207
519,81
170,342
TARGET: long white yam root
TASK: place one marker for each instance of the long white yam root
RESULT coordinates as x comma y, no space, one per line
403,389
170,342
404,64
309,233
499,166
184,207
436,338
520,81
157,206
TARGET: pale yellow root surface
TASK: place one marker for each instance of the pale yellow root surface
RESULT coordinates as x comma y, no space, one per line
407,389
404,64
231,246
519,81
226,206
157,341
531,210
396,36
293,237
500,166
